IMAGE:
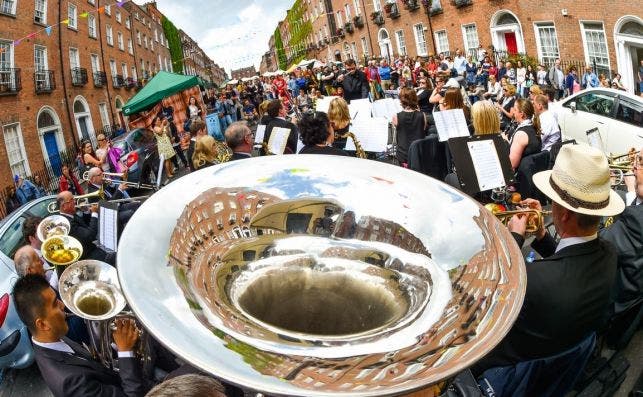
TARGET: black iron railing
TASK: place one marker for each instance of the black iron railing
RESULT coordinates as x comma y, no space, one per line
78,77
10,81
44,81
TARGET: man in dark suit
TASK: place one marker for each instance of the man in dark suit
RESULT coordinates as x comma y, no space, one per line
568,292
240,139
277,112
353,82
82,231
125,210
68,368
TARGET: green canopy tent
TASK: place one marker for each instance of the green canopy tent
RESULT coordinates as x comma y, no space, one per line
163,85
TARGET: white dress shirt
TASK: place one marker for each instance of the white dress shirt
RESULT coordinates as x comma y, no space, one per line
550,132
569,241
629,199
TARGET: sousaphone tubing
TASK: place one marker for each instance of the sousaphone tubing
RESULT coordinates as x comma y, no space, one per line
321,275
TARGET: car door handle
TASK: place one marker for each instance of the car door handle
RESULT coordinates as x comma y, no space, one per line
640,135
600,122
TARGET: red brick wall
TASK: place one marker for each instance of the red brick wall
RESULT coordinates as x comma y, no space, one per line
480,12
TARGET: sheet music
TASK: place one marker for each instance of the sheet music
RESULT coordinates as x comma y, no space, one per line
360,109
260,133
594,139
108,226
486,164
371,133
450,124
278,140
387,107
322,104
300,145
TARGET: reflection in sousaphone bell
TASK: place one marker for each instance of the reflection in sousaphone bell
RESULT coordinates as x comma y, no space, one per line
53,225
61,250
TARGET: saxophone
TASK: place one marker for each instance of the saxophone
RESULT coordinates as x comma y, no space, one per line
359,151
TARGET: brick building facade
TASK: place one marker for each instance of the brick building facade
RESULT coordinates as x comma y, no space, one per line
66,82
607,34
249,71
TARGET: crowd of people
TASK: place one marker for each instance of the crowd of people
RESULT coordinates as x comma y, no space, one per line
599,267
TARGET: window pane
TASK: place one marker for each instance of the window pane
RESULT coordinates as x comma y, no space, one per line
17,161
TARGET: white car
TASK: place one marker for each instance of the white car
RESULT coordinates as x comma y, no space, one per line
618,116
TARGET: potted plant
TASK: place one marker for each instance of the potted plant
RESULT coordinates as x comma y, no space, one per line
388,7
348,27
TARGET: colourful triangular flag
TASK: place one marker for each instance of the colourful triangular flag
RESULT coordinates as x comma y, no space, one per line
48,30
84,14
101,9
120,3
15,43
65,22
31,35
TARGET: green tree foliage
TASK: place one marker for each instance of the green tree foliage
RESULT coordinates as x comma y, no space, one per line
281,53
300,30
174,41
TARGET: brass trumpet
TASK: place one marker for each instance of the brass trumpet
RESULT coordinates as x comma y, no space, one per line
82,201
535,218
622,161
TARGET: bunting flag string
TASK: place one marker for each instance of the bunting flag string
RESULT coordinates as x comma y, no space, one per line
49,28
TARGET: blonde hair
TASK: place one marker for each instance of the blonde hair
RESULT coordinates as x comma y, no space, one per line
204,152
511,89
536,90
338,113
485,118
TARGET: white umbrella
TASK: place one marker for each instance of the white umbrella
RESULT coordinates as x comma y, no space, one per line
235,81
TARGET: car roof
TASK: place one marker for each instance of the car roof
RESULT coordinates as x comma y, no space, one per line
21,209
615,92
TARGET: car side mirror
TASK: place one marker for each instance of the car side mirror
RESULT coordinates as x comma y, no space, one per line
572,106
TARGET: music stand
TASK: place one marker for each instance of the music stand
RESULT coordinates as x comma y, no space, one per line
108,227
466,170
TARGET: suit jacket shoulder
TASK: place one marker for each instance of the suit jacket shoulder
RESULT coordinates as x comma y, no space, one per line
68,375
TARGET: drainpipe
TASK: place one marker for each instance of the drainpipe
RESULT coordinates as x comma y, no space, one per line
431,31
62,70
368,28
102,58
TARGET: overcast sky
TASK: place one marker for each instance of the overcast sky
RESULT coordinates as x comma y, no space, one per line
234,33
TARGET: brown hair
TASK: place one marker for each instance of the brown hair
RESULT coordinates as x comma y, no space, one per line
527,108
453,100
543,100
408,98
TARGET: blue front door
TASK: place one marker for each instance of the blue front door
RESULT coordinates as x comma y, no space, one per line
53,153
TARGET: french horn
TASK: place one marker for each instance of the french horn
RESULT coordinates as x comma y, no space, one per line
313,275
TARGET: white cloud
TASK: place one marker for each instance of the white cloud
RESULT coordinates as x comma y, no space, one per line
234,34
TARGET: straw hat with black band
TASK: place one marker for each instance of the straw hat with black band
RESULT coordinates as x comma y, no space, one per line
580,182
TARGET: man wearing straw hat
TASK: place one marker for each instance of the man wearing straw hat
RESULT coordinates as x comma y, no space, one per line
568,291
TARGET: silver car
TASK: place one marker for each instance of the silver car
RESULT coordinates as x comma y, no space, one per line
15,346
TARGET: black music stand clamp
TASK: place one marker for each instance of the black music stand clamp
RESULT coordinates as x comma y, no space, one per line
489,155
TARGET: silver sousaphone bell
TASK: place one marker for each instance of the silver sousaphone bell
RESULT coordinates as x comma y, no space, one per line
321,275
